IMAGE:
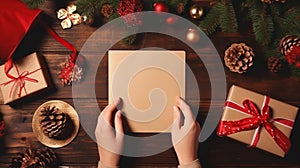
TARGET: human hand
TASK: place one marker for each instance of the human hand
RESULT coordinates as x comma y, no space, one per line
110,135
185,133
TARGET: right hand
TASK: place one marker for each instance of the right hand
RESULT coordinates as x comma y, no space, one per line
185,133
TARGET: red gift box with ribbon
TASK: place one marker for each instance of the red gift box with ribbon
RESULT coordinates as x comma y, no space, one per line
25,78
258,120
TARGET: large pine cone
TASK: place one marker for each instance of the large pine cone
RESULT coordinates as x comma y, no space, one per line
239,57
35,158
287,42
52,121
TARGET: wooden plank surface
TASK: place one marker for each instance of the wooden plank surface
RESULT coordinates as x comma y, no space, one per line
216,152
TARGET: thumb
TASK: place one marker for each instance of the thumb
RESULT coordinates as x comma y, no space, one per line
119,125
176,117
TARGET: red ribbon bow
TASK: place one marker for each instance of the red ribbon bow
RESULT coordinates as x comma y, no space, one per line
257,121
18,81
1,128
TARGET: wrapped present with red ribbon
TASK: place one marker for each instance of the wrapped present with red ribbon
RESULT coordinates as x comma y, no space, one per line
25,77
258,120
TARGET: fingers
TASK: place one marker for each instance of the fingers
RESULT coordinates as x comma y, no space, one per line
185,109
107,113
176,117
119,125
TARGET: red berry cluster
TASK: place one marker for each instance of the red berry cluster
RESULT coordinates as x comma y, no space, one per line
128,7
293,57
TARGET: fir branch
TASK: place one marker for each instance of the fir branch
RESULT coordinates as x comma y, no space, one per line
89,7
262,23
227,21
279,29
211,21
33,3
275,13
292,21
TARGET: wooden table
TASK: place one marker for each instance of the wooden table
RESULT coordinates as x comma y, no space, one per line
215,152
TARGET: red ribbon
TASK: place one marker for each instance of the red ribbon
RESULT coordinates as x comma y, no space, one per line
256,121
1,128
18,81
62,41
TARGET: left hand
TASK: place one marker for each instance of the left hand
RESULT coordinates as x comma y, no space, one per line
110,139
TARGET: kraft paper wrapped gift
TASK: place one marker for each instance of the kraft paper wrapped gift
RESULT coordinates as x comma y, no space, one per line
26,77
257,120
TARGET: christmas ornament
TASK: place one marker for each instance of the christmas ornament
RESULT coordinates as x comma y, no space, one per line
107,10
35,158
192,35
275,64
196,11
239,57
87,19
130,6
272,1
160,7
180,8
55,123
69,17
290,47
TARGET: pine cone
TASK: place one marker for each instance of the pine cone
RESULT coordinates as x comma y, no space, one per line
180,8
287,42
275,64
35,158
52,121
239,57
107,10
272,1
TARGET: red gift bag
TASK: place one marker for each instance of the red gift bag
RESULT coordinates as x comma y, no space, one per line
15,21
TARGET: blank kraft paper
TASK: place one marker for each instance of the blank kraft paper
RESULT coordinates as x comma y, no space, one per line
147,81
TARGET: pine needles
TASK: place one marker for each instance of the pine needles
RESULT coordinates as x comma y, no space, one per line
268,22
222,14
228,22
211,21
88,7
33,3
262,23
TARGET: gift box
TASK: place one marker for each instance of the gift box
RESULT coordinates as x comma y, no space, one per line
24,78
258,120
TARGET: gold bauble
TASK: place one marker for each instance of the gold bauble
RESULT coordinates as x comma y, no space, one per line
196,11
192,35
